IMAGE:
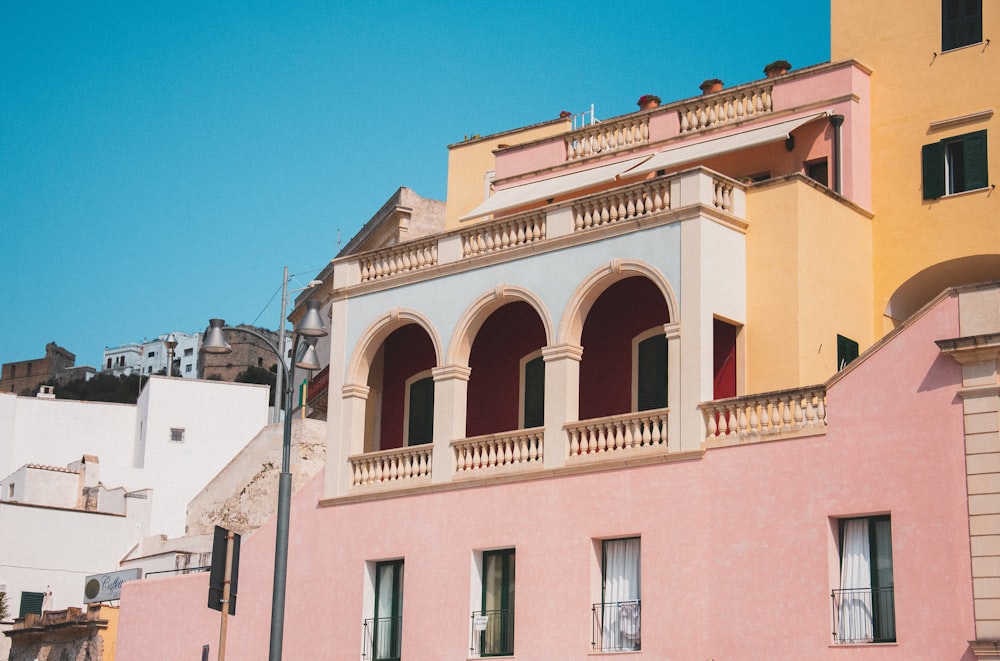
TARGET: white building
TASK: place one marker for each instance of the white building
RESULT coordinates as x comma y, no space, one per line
174,440
60,526
152,357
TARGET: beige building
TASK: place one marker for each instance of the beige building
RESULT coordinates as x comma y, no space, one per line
24,377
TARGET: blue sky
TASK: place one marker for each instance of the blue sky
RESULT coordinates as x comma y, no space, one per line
161,163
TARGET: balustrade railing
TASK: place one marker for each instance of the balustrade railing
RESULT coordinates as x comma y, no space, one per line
618,433
518,449
623,204
864,615
725,108
381,638
722,196
400,464
607,137
503,234
398,259
766,415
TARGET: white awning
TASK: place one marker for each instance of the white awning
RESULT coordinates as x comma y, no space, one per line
708,148
515,196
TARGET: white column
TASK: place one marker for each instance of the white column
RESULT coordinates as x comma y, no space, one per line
673,333
451,388
350,442
562,399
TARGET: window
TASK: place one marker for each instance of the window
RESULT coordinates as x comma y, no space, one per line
384,631
29,369
533,392
109,363
649,381
961,23
31,602
955,165
616,620
847,351
187,368
497,638
420,410
819,171
864,606
260,361
151,354
188,352
177,435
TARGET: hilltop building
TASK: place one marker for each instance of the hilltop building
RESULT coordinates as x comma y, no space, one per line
23,377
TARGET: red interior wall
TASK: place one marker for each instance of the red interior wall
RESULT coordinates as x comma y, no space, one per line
408,350
509,334
624,310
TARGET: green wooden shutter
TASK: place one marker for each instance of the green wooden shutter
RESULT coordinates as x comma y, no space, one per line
534,393
421,422
976,172
932,159
31,602
961,23
652,374
847,351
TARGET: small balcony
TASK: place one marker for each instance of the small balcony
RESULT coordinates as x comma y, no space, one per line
617,626
865,615
492,633
381,638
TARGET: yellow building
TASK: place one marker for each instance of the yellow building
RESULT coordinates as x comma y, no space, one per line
934,91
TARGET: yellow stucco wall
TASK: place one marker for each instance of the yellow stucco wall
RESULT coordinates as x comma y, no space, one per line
468,163
808,280
110,635
914,84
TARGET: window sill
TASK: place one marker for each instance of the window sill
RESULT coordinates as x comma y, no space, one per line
949,196
962,47
857,645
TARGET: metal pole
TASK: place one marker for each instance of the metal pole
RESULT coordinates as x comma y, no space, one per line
278,390
281,533
226,587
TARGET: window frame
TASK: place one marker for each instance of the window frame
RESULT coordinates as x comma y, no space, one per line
613,608
408,423
637,342
395,609
880,611
938,172
847,351
965,29
522,396
508,580
177,434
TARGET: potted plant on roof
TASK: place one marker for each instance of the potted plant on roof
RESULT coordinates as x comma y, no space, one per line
647,101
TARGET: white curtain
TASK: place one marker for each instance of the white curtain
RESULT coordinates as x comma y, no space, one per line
622,583
855,614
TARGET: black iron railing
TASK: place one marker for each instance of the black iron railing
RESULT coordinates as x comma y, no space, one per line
497,638
616,626
381,638
866,615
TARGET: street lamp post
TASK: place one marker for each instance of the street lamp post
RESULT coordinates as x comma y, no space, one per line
309,327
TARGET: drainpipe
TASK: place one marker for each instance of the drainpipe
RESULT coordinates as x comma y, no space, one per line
836,121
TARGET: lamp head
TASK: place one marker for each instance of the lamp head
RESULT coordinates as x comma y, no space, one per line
307,358
311,323
214,340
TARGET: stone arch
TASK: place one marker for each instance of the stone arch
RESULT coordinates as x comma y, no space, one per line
920,288
591,288
369,343
474,316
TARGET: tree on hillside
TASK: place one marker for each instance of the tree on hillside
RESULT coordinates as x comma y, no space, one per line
259,375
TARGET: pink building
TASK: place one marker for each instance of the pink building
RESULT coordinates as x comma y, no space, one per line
612,409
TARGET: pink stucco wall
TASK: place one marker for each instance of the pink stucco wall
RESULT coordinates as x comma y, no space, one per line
738,546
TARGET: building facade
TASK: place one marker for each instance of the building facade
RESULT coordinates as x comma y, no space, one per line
152,357
24,377
649,391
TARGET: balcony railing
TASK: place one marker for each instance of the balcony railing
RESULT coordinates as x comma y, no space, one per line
497,638
866,615
402,464
503,234
618,434
617,626
381,638
725,108
522,449
406,257
766,415
607,137
622,204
